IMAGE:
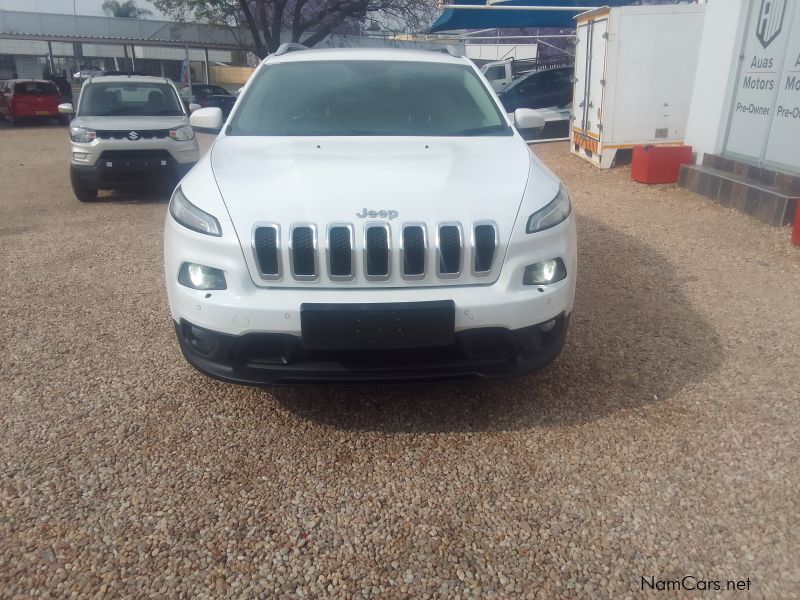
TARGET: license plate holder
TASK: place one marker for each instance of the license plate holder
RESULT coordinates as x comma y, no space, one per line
377,326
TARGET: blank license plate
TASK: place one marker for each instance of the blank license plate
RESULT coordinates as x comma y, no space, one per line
377,326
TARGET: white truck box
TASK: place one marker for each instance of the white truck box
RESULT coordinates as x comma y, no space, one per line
634,72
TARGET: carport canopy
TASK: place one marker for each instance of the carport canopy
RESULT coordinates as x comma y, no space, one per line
516,13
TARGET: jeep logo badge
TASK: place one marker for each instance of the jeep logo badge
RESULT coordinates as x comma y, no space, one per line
770,21
133,136
376,214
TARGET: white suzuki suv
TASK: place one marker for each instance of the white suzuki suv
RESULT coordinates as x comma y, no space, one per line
128,130
368,216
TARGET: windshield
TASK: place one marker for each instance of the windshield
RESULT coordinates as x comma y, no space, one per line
370,98
35,88
129,98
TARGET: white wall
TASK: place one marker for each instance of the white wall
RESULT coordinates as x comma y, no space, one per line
716,74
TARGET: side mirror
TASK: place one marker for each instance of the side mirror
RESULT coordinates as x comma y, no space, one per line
193,107
207,119
527,118
66,108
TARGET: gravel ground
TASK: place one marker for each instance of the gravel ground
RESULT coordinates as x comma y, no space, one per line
663,442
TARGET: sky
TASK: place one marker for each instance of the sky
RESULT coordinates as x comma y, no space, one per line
82,7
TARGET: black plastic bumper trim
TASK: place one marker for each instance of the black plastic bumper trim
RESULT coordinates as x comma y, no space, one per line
260,359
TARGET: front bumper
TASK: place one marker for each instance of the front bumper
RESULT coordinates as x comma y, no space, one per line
272,358
131,169
186,152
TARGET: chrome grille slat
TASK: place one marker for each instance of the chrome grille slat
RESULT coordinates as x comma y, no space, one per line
340,252
484,245
266,243
303,252
449,249
415,250
377,251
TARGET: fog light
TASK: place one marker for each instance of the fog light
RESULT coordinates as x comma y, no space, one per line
547,326
201,340
545,272
200,277
80,156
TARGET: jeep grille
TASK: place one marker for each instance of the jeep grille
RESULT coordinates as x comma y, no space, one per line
339,252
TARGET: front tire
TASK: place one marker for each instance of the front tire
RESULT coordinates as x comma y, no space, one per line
82,192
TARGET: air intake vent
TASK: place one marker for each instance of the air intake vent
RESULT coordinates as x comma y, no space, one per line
450,246
376,247
485,245
304,252
340,252
266,245
414,249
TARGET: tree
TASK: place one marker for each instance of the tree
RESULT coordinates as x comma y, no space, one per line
125,10
308,21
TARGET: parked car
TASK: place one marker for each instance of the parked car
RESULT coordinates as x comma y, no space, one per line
501,73
29,98
205,95
368,215
542,89
128,131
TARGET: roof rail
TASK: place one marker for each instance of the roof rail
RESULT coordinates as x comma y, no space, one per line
289,47
449,49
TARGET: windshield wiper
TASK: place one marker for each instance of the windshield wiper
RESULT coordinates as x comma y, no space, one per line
488,130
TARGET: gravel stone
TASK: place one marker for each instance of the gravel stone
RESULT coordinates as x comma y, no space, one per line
663,442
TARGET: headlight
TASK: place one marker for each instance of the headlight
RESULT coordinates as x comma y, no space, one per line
201,277
191,217
81,134
545,272
552,214
182,133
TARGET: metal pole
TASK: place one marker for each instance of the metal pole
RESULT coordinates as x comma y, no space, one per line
133,57
208,70
188,66
50,56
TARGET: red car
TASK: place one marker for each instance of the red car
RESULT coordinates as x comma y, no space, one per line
25,98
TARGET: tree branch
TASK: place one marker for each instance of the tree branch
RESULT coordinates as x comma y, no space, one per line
251,23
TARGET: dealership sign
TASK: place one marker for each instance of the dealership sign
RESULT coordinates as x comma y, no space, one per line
770,21
765,120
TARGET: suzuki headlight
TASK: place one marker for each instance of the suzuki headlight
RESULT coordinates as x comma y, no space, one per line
551,215
182,133
81,134
191,217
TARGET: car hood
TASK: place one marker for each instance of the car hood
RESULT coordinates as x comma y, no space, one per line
324,181
431,180
129,123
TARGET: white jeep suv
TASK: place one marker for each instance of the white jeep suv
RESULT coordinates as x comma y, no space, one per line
128,130
368,216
